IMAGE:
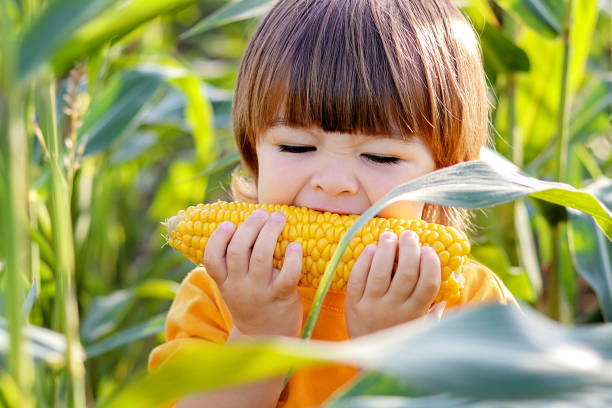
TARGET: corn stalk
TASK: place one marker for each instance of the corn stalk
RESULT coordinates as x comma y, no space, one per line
14,196
66,319
555,289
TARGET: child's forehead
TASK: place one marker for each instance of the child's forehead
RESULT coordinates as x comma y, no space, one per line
281,127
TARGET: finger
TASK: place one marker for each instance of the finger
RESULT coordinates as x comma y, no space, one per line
379,276
285,283
428,285
214,253
262,256
359,274
408,261
239,248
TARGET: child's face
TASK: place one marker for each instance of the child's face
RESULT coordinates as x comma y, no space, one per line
338,172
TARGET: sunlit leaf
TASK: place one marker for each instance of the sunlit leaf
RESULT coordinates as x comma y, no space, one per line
10,394
232,12
30,299
583,26
133,147
106,312
589,117
198,112
181,188
591,250
500,54
111,25
41,343
53,28
146,329
538,92
516,280
222,164
200,365
391,401
526,246
117,109
493,352
373,383
592,107
479,11
544,16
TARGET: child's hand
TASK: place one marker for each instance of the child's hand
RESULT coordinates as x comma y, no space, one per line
261,300
375,300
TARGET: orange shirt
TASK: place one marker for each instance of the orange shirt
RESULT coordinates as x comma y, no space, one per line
199,313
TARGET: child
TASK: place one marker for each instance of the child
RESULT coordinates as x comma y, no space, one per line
336,103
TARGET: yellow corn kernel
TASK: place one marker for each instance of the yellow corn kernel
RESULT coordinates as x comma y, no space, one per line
319,234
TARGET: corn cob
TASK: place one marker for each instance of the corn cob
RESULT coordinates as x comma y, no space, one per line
319,234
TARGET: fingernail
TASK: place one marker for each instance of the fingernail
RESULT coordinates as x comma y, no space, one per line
260,213
388,236
227,226
278,216
294,246
429,249
410,234
370,249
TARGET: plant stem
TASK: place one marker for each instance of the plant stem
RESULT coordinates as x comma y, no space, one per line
66,309
563,114
554,288
14,167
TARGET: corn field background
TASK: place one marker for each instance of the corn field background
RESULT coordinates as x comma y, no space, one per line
116,114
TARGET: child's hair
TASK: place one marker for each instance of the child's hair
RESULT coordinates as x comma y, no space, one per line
365,66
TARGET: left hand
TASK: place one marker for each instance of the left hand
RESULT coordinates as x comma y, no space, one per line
377,298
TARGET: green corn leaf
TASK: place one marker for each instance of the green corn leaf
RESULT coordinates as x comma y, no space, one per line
117,109
392,401
590,116
232,12
30,299
228,161
500,54
544,16
146,329
42,344
10,394
107,312
53,28
591,251
201,365
491,352
111,25
372,383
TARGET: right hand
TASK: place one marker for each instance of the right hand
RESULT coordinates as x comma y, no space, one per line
261,299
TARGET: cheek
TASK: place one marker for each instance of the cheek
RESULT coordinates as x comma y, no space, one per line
403,209
279,179
379,186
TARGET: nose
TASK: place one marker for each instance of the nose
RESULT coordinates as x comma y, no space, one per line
334,178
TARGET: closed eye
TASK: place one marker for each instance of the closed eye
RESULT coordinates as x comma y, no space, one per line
381,159
296,149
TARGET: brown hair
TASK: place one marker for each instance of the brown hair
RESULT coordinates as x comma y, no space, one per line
370,67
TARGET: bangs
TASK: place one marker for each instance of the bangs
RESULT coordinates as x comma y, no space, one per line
336,74
374,67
